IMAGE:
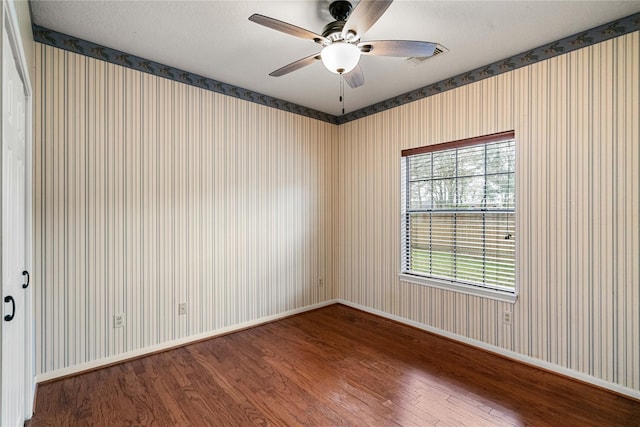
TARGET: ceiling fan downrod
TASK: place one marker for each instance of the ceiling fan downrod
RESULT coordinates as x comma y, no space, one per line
340,10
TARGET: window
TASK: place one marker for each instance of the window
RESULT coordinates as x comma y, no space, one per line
458,215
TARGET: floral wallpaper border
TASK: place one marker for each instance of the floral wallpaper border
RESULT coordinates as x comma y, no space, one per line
577,41
93,50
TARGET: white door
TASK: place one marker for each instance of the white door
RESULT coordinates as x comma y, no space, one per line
14,241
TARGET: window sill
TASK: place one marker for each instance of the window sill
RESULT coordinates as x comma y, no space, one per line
455,287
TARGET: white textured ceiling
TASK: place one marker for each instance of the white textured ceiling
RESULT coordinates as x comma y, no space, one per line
215,39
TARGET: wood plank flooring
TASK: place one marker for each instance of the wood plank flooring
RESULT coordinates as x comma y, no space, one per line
332,366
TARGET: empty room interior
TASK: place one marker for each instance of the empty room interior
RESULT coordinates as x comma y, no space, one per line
364,213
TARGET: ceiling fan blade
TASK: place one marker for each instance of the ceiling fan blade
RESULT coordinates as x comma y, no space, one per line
354,78
366,13
400,48
296,65
287,28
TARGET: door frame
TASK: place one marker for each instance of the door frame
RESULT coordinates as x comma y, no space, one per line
9,23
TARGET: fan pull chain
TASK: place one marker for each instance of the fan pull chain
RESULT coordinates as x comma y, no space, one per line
342,92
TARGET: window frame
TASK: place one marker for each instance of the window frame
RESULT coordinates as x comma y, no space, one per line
452,284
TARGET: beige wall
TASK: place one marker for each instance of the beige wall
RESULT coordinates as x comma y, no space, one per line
576,119
149,193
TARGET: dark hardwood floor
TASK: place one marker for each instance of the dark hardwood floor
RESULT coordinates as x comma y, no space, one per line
332,366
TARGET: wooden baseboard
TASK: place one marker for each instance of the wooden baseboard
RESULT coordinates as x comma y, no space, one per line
507,354
84,368
35,397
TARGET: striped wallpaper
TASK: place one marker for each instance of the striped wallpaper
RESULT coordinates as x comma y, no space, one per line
576,120
150,193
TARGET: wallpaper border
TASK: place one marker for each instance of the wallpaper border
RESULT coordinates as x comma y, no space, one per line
586,38
94,50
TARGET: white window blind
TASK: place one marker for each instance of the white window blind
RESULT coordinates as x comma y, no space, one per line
458,212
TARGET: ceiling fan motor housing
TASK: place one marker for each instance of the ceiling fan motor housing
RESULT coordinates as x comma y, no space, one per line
340,11
333,30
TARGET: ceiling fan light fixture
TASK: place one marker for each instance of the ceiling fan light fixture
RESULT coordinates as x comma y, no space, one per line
340,57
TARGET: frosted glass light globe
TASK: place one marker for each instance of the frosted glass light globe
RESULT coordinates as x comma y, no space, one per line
340,57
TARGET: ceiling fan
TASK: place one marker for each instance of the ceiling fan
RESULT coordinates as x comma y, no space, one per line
341,40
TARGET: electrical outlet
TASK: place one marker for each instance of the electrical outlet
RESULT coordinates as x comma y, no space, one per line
507,318
182,308
320,282
118,320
